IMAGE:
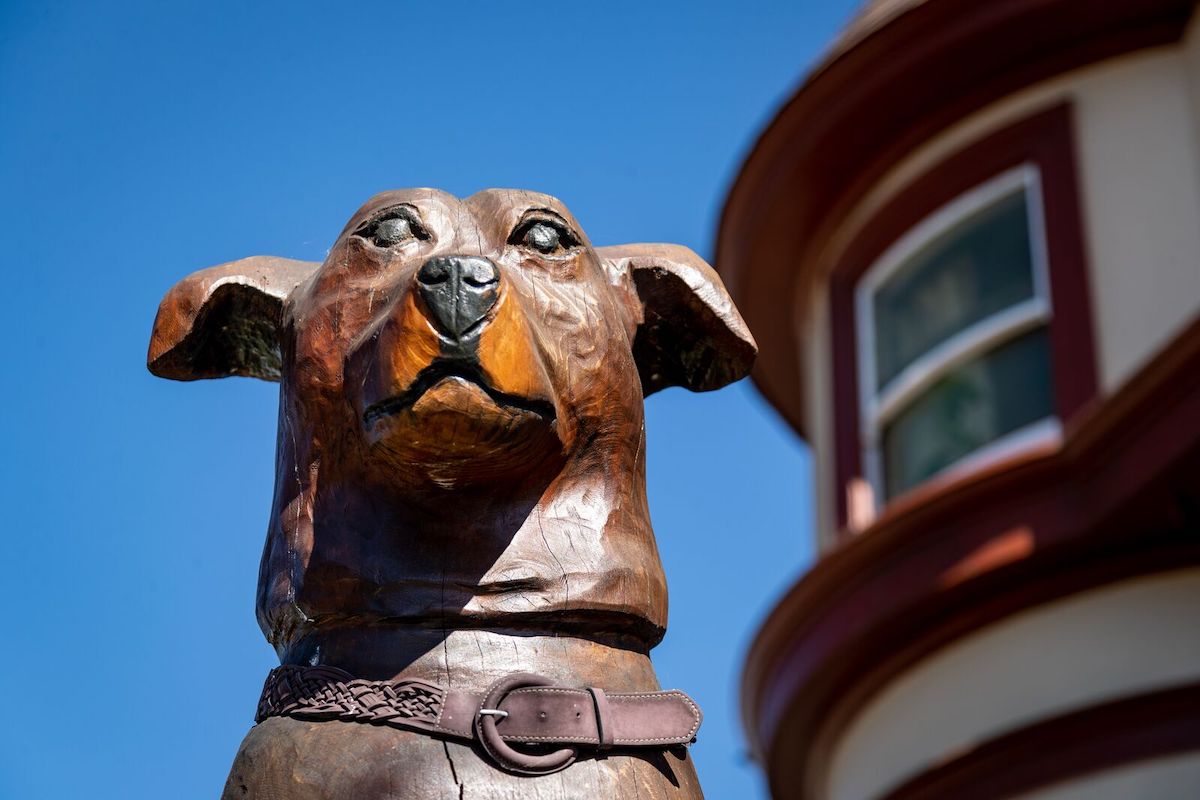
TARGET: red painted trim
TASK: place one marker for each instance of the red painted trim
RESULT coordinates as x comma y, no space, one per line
847,444
1120,499
1114,734
1045,140
1073,352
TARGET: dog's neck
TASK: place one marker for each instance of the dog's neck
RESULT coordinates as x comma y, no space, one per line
574,558
472,660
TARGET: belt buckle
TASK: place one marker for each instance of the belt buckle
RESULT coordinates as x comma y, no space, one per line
503,754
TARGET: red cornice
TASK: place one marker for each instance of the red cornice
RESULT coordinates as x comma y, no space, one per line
1120,498
885,89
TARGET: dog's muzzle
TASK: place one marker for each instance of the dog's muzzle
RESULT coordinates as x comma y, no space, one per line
526,709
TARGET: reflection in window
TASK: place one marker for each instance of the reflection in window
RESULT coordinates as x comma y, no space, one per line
973,404
981,266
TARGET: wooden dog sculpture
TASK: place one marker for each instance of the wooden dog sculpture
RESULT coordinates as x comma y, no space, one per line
460,538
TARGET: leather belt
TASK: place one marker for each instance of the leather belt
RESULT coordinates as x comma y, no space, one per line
519,708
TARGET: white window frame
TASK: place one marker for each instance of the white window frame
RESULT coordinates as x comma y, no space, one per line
878,405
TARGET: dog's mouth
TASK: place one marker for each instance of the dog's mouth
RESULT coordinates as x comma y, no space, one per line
451,369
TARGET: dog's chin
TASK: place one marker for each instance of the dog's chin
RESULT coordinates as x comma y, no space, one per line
457,433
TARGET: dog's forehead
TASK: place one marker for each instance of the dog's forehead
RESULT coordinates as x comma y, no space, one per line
508,205
422,198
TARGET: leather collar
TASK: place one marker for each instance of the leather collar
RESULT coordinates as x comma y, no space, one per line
553,722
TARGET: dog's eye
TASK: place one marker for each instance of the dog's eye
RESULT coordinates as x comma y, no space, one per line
392,231
392,227
544,236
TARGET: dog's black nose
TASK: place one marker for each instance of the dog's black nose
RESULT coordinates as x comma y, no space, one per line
459,291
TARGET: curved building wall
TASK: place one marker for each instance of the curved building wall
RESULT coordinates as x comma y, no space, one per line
1097,646
1172,778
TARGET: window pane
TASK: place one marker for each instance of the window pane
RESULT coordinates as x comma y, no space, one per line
976,403
980,266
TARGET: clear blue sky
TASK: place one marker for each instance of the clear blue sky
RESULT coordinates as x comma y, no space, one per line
142,140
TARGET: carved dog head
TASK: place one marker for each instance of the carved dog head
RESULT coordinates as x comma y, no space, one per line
461,434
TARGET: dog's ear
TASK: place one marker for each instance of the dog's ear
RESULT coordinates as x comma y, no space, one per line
691,334
224,320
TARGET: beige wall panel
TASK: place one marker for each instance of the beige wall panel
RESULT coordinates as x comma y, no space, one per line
1127,638
818,412
1191,68
1137,148
1176,778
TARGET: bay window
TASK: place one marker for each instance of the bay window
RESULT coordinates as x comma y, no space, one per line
952,337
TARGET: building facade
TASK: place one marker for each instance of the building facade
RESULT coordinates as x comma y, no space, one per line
969,248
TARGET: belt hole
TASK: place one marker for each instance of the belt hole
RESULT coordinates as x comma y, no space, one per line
542,716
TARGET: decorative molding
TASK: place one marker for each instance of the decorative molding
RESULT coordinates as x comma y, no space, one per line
1121,498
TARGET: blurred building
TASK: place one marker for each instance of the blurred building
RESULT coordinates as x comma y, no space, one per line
969,247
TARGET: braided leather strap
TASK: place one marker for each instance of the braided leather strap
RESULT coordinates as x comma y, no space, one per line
331,693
